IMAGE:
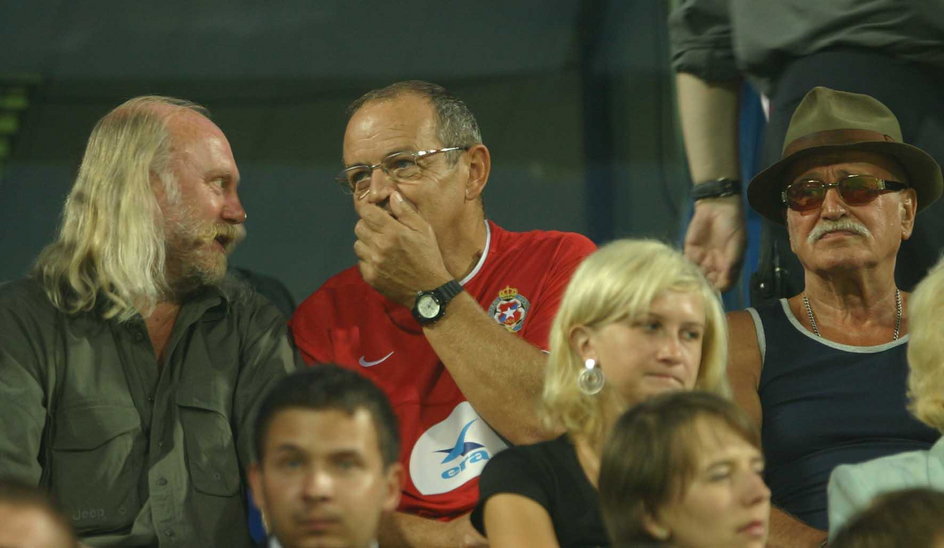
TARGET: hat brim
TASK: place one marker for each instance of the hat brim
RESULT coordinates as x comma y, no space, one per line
924,175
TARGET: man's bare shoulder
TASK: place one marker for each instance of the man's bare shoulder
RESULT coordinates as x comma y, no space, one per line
743,349
741,323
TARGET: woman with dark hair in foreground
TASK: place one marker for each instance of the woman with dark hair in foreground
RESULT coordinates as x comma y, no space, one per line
684,469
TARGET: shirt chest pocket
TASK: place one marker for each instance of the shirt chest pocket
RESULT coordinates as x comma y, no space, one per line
209,446
97,454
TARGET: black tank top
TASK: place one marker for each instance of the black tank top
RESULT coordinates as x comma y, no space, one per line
826,404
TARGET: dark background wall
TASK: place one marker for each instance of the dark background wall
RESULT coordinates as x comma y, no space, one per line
574,99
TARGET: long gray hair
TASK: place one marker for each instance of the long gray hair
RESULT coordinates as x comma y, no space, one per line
110,254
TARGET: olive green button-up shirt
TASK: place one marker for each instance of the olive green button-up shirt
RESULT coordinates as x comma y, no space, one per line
139,454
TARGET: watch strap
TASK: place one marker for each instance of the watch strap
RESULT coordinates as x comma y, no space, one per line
717,188
447,291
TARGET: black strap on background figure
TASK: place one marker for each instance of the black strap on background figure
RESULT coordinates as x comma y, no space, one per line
717,188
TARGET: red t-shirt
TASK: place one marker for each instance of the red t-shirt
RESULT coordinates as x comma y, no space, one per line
519,280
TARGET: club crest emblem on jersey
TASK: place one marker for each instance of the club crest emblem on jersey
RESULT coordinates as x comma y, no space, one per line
509,309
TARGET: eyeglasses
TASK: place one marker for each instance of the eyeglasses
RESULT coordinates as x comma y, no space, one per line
854,190
399,166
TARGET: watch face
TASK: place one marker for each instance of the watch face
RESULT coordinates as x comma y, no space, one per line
427,306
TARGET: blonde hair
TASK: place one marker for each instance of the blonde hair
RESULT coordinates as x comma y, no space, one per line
619,281
926,349
109,254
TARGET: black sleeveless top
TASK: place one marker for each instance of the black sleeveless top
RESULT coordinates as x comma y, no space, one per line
826,404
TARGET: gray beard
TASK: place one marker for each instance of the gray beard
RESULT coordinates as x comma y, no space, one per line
189,271
189,263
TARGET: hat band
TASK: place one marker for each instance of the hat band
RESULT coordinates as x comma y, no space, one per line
832,137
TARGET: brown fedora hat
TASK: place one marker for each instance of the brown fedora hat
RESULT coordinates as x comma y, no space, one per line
828,120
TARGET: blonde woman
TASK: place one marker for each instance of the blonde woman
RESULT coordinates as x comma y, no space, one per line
637,319
852,487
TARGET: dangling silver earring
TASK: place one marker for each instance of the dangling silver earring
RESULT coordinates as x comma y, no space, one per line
590,380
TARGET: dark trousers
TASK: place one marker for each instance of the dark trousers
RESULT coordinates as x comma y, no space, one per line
915,93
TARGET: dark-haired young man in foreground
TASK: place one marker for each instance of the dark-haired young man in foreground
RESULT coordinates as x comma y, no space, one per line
327,465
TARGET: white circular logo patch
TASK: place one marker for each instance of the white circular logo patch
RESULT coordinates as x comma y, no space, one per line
453,451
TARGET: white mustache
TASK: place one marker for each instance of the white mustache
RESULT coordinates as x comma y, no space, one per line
845,225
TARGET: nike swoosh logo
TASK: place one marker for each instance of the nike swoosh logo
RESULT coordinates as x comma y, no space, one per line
366,363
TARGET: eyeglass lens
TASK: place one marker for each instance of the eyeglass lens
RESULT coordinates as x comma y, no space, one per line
854,190
401,166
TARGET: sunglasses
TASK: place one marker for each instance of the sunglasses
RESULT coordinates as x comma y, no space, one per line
854,190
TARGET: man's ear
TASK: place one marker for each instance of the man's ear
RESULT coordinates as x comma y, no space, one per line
480,165
254,475
158,188
394,484
909,208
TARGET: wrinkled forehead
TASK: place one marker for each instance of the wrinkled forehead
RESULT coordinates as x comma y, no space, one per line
383,126
828,165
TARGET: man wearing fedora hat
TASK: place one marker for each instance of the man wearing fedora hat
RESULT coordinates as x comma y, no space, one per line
888,49
823,372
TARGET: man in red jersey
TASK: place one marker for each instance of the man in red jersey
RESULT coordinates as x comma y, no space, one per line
445,310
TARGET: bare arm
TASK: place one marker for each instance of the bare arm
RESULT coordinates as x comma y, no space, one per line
516,521
708,112
716,236
402,530
500,374
744,363
788,532
744,374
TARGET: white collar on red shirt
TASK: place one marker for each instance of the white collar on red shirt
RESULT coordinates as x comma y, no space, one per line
481,261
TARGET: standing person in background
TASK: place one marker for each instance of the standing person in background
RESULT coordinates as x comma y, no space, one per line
445,310
131,365
638,319
890,50
823,372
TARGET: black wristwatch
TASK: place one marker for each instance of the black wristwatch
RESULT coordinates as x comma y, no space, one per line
429,306
717,188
